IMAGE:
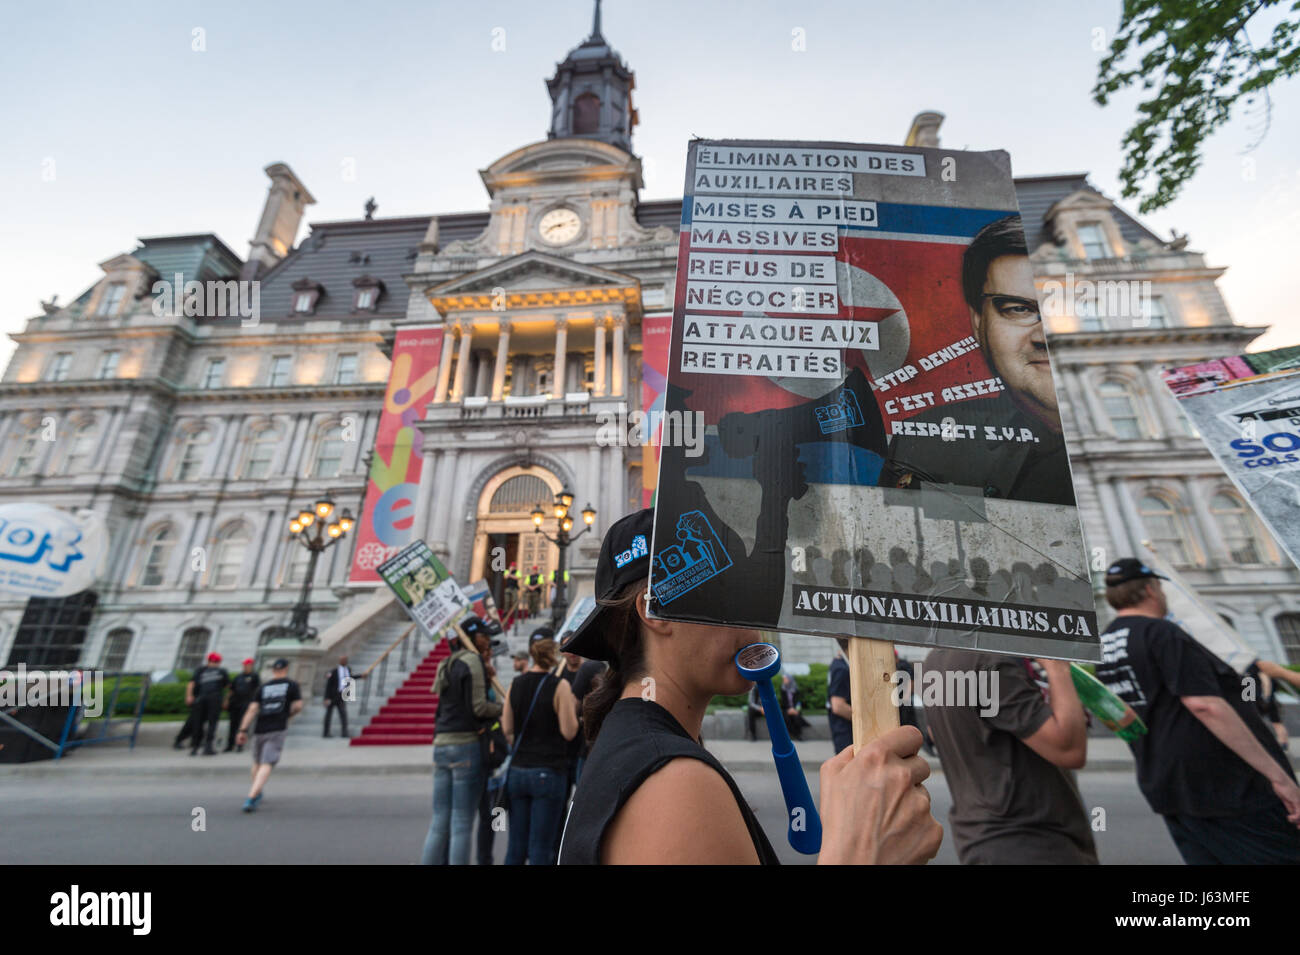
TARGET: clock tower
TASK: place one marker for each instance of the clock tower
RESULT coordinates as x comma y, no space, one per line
591,93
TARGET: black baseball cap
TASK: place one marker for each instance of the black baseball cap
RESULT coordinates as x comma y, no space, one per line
1129,568
472,626
624,559
280,664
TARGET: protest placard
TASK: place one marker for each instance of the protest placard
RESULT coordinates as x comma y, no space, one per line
421,583
1247,410
858,330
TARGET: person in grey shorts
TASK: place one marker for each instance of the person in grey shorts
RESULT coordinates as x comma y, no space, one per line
277,701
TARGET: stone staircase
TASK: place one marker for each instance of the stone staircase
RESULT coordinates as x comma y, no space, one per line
363,650
407,718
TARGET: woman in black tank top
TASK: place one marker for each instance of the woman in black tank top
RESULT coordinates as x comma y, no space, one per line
651,793
539,719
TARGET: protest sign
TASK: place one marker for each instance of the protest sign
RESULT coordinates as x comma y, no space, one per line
479,595
858,331
421,583
48,552
1247,410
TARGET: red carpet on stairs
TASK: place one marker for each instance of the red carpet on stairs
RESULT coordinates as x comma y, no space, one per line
407,718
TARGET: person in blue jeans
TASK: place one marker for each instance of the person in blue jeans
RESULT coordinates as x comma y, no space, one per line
464,712
540,717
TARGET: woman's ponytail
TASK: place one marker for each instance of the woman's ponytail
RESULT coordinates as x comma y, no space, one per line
623,636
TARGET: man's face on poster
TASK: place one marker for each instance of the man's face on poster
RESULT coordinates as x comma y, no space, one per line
1009,329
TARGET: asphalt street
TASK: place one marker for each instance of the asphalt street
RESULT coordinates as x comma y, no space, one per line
356,818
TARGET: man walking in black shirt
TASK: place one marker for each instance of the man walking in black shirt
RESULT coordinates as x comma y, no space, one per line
242,690
204,693
278,700
1208,763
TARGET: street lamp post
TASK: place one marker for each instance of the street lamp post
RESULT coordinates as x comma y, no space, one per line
327,533
562,540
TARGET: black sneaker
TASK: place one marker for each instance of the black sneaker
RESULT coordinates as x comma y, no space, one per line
209,751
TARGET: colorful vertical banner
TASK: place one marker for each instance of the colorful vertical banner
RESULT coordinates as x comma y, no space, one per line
388,518
656,335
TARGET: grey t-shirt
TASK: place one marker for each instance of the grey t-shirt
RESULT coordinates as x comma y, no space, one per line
1009,805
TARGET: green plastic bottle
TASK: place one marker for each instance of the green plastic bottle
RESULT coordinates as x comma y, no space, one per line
1105,705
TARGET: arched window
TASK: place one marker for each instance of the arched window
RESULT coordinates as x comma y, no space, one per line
586,114
157,555
1166,529
1238,527
193,649
116,647
1288,630
27,453
1121,408
520,494
81,449
329,454
261,452
232,546
194,445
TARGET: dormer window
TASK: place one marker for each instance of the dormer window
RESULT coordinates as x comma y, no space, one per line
1093,239
110,299
306,294
366,292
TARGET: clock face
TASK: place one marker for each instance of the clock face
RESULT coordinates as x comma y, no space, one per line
559,226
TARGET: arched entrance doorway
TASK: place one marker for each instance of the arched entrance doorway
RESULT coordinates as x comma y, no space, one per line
504,532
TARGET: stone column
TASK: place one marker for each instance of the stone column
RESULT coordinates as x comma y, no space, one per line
462,362
444,365
442,510
561,343
424,494
1121,541
620,357
1163,400
1100,420
1136,529
1197,491
599,384
503,352
592,483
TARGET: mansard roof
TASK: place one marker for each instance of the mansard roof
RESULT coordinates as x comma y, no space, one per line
1038,194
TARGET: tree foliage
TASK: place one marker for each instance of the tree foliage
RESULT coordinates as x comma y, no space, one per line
1199,59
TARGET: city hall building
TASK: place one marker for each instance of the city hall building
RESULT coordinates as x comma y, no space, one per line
198,437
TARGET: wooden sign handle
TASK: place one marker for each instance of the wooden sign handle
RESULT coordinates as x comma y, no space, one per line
871,688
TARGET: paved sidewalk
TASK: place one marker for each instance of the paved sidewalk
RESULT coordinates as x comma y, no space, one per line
311,754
